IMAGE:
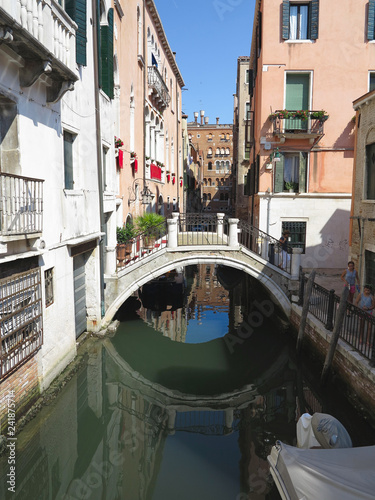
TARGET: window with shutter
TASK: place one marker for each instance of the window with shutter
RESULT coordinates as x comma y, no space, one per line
370,172
76,9
371,20
291,173
106,43
300,21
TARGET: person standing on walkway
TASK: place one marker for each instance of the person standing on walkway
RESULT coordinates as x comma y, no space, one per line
349,277
284,250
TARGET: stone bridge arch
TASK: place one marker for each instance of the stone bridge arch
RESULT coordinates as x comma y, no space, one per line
120,288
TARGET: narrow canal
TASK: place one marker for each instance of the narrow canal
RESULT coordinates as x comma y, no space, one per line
183,402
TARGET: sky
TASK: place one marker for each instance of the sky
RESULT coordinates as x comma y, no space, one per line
208,37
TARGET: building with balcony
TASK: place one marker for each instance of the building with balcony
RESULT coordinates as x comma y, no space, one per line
301,158
214,142
56,149
148,87
241,139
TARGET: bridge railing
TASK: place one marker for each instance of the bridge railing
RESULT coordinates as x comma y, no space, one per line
202,229
265,245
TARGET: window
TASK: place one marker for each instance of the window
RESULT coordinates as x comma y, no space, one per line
104,167
290,173
210,165
246,151
68,160
209,152
370,172
371,81
48,286
175,208
247,111
371,20
107,52
297,238
247,76
297,96
168,202
369,268
76,9
300,20
209,137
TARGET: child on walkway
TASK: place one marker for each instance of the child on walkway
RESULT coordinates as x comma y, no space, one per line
366,302
349,276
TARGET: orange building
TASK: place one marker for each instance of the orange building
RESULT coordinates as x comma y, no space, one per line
301,157
215,144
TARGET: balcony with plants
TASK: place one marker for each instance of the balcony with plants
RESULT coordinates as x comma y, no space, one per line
298,124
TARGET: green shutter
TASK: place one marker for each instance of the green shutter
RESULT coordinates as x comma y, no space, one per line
256,174
285,26
371,20
302,172
314,25
98,36
251,82
106,35
76,9
279,175
296,98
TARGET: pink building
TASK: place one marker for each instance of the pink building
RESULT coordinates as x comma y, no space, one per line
306,58
148,87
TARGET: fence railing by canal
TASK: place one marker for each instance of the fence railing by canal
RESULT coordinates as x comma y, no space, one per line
358,327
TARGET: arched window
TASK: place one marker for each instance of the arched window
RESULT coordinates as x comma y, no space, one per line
139,31
210,165
209,152
222,165
217,151
228,137
227,165
222,151
222,181
217,182
205,182
217,165
204,196
227,151
209,182
209,137
209,196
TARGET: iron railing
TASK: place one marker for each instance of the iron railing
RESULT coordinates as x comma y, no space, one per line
144,244
358,328
296,125
202,229
21,205
20,319
156,82
264,245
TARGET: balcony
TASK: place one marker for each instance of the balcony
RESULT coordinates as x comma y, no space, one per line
43,35
20,319
305,124
21,206
158,87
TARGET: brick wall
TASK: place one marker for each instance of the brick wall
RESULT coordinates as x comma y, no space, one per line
24,382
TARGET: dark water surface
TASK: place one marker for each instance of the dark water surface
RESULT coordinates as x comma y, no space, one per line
181,403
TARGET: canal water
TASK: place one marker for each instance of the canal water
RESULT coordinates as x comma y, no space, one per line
183,402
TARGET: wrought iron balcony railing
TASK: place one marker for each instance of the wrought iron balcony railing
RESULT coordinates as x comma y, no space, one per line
158,85
21,205
305,122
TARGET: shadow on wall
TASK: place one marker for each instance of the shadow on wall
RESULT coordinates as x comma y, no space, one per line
346,138
333,251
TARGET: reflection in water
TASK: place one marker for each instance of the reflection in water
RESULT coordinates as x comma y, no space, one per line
159,414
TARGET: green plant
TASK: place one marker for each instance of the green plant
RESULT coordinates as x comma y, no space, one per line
291,185
118,142
125,233
149,223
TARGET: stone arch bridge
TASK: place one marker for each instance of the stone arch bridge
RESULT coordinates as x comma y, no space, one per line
185,240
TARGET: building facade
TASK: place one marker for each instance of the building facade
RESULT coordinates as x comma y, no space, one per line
214,142
241,150
302,158
148,87
362,234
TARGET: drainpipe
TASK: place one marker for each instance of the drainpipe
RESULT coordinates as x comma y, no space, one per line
98,153
145,77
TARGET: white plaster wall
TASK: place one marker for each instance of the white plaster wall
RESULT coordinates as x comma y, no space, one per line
327,225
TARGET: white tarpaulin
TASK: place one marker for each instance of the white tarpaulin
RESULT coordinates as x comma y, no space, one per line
318,474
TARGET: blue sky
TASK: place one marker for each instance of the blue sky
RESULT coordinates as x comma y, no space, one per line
208,36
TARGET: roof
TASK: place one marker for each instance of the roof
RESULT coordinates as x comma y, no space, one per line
363,99
164,41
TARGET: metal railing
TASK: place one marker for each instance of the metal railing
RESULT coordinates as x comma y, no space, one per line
202,229
21,205
156,82
144,244
297,125
358,328
264,245
20,319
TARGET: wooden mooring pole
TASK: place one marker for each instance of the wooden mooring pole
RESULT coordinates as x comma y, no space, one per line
305,309
335,334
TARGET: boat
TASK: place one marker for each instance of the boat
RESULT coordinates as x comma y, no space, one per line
324,465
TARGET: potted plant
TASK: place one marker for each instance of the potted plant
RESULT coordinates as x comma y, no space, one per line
148,161
291,186
118,142
125,236
149,224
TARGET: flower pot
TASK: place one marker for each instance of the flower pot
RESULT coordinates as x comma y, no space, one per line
128,247
149,241
121,253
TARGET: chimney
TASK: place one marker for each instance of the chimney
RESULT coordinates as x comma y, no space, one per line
217,120
202,117
206,120
196,117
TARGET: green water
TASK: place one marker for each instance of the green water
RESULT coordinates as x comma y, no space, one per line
177,405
